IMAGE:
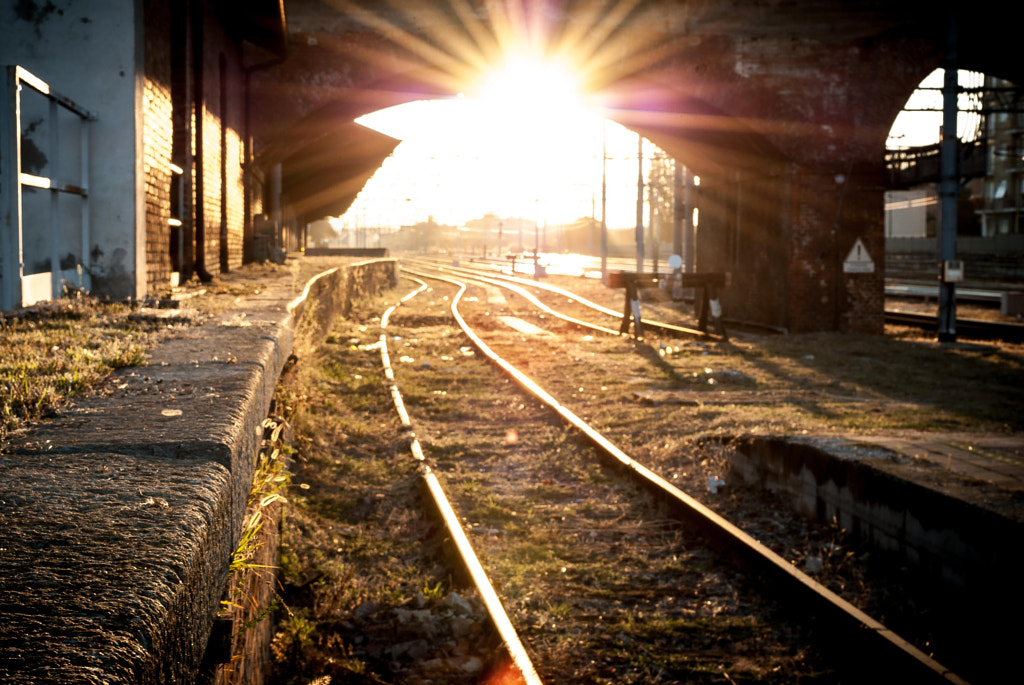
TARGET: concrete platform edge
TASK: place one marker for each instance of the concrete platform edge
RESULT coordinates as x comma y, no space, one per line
117,518
953,541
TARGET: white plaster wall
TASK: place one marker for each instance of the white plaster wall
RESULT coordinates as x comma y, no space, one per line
87,50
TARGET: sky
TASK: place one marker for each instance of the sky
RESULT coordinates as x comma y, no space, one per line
527,147
914,129
524,145
463,158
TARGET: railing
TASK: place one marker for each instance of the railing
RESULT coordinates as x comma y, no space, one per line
912,166
36,230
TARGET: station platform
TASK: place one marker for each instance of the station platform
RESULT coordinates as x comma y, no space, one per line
950,459
119,514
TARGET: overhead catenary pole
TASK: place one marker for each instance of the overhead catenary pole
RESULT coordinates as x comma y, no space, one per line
689,232
591,248
604,200
640,204
536,252
653,220
949,187
678,207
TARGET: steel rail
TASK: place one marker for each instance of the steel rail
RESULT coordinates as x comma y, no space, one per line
537,284
650,323
499,617
974,328
530,297
798,586
647,323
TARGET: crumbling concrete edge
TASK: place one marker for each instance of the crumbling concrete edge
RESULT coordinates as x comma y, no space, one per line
118,517
831,478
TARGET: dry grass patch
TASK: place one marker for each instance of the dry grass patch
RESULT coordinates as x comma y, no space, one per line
54,352
814,382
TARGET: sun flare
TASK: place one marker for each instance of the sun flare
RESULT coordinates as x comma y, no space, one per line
523,81
463,158
521,141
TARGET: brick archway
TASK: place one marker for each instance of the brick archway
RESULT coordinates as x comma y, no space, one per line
784,112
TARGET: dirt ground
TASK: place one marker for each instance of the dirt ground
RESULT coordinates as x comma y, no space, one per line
671,404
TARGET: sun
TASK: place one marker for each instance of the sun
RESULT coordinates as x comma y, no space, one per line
526,137
520,141
531,96
523,81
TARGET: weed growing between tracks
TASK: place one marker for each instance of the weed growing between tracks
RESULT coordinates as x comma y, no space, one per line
368,600
602,588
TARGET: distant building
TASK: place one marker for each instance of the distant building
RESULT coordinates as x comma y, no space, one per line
1004,184
911,213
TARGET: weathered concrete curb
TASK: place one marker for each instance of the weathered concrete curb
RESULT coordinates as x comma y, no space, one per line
954,541
118,517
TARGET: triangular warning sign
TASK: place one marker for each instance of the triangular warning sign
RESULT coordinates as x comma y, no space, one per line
858,261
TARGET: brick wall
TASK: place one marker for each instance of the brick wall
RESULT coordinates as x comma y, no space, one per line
742,232
862,306
827,218
222,148
157,139
236,195
783,236
764,246
221,117
211,171
233,158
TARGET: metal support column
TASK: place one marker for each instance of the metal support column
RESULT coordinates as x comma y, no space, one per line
54,163
949,188
689,237
678,208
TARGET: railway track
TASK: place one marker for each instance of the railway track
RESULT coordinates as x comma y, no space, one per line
585,306
570,544
974,329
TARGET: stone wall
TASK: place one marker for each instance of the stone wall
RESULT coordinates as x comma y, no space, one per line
831,479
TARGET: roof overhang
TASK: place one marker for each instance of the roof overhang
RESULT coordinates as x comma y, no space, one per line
325,162
260,22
